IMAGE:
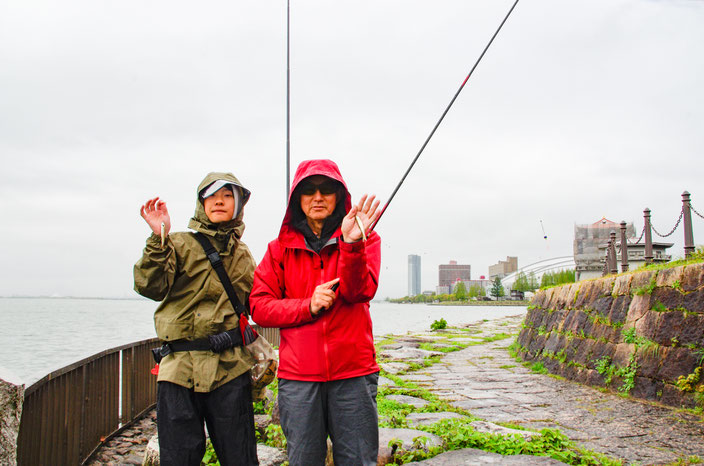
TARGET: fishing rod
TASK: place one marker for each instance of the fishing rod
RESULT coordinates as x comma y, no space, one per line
443,116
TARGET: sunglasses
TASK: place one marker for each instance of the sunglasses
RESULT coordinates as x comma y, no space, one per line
325,188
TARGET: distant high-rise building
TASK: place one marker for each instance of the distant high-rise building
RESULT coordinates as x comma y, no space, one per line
413,275
503,268
450,273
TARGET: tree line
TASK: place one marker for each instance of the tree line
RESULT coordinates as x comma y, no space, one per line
522,283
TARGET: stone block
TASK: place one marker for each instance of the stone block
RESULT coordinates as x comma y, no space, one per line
11,400
552,365
582,350
670,277
533,316
601,350
574,293
672,396
607,286
603,305
693,277
523,336
593,378
649,360
538,299
567,321
641,279
648,325
601,331
669,328
554,319
622,285
561,297
669,297
640,305
549,295
676,362
587,327
619,309
553,343
536,344
692,330
646,388
623,354
694,301
585,288
575,373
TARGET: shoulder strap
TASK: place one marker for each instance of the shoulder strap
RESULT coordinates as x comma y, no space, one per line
217,264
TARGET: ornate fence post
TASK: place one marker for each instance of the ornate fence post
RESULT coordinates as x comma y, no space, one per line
613,263
624,248
688,235
648,237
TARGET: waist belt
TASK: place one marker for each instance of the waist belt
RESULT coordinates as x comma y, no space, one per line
216,343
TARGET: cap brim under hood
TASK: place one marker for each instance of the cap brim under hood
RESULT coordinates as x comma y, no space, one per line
200,221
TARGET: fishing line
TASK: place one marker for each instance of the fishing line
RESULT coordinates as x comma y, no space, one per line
443,115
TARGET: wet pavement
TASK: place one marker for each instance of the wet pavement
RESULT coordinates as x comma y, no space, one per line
486,381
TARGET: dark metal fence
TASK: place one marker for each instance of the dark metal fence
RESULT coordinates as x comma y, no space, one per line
69,413
685,218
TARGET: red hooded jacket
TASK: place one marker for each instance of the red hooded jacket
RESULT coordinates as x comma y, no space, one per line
338,344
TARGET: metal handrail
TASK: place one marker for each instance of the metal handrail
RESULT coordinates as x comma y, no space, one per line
70,413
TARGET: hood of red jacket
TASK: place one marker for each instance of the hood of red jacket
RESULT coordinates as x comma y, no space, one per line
305,169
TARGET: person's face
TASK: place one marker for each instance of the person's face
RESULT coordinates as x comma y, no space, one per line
318,197
220,207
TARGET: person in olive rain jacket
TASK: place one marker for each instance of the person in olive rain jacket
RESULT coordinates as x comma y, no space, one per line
198,386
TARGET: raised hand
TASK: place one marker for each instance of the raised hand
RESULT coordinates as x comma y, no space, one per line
367,211
323,297
154,212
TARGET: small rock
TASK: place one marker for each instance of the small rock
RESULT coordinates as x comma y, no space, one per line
490,427
477,457
132,459
395,367
408,400
426,419
405,436
384,382
151,454
270,456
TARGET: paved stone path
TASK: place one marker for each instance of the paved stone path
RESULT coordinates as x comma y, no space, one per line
486,381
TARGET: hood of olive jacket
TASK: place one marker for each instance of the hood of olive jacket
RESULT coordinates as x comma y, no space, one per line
200,221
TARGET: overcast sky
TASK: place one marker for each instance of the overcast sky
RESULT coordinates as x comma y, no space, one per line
580,110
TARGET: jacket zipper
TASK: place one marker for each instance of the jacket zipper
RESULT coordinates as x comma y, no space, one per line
325,326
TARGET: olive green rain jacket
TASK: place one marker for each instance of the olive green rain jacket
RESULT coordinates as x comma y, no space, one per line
194,303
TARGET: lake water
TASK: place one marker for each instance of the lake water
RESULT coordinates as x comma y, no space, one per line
40,335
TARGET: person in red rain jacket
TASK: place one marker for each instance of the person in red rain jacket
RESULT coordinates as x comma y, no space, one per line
315,283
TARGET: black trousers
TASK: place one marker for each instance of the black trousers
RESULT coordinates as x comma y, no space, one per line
228,413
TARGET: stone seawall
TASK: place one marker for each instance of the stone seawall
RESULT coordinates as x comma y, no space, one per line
639,333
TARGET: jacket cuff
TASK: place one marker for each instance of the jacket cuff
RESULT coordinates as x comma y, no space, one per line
154,240
306,315
357,246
